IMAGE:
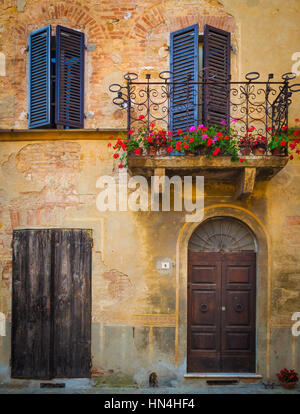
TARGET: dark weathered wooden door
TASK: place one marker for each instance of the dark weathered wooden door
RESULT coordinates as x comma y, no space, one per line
31,304
221,312
51,308
72,303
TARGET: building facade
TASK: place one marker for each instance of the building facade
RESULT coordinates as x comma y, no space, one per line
135,311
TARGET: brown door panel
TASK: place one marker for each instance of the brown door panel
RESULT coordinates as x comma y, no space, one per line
238,318
203,316
221,312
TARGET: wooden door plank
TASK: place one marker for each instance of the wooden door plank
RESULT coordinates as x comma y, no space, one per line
31,304
238,315
72,303
204,281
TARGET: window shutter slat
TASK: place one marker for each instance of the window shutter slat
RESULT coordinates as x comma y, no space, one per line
39,109
69,91
216,63
184,61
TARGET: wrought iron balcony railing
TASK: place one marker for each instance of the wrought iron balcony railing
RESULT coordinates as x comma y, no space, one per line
180,104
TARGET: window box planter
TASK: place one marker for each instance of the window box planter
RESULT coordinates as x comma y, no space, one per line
220,168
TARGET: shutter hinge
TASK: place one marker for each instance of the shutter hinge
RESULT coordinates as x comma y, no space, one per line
233,49
27,49
10,362
27,115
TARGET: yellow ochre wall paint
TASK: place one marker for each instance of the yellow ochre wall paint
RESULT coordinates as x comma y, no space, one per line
48,179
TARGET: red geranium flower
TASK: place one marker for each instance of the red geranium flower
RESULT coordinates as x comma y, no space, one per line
130,132
141,117
179,131
138,151
169,149
116,155
216,151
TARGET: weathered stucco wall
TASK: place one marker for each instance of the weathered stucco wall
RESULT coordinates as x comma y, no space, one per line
132,36
135,315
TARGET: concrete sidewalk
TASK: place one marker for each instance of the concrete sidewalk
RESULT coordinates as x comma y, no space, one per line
211,389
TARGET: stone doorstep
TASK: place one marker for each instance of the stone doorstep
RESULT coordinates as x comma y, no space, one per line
223,376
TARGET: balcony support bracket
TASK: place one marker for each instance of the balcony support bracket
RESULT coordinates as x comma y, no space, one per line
245,184
159,179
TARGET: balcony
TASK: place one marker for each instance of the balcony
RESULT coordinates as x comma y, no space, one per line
241,106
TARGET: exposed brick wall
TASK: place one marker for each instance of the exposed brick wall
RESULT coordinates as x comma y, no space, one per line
293,221
126,35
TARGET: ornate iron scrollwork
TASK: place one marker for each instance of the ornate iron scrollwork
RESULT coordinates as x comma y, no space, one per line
253,102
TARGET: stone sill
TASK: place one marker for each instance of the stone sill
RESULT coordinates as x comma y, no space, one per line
220,169
11,135
187,162
222,375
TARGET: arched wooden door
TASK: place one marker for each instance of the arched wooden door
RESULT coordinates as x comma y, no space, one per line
221,298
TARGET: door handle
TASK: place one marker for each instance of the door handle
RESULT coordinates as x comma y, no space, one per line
223,308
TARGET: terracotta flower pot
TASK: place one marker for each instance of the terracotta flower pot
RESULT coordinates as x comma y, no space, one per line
202,151
278,152
245,149
258,150
190,153
163,152
222,153
288,385
152,150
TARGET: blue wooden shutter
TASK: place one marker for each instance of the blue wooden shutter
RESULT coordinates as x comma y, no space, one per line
216,60
69,91
184,61
39,100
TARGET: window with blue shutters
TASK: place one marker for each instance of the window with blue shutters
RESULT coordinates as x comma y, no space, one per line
56,78
40,78
184,67
195,58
